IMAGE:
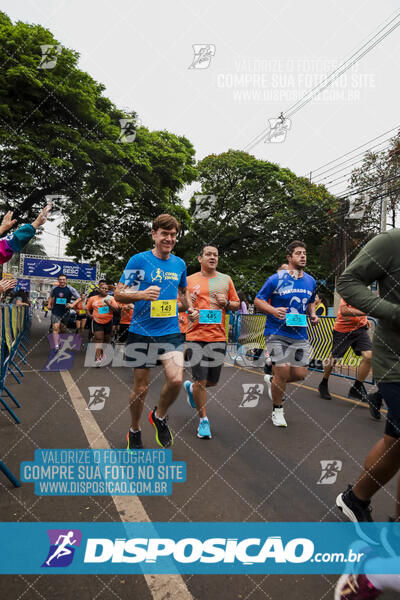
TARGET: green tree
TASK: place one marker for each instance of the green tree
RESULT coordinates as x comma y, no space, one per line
252,209
112,231
377,178
60,135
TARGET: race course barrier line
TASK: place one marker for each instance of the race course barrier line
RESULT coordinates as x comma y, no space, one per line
249,341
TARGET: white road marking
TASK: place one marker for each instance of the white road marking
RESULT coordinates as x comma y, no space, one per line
130,508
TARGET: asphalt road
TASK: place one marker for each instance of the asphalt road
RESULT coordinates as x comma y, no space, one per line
248,471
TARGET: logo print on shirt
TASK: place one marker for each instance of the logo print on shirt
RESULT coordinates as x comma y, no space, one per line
285,281
133,277
157,275
298,305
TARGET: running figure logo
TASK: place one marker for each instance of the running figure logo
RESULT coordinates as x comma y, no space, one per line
63,359
62,547
98,396
204,203
251,394
50,54
157,275
133,277
278,129
128,131
330,470
203,53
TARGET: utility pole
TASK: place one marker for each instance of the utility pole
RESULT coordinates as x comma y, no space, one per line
341,252
383,214
59,241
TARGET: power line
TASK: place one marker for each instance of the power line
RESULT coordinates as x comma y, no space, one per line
329,82
354,191
54,234
331,78
358,148
345,176
361,154
293,108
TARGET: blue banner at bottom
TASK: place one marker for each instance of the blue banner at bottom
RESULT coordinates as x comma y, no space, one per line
199,548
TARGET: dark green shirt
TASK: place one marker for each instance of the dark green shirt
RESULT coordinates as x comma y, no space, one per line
379,261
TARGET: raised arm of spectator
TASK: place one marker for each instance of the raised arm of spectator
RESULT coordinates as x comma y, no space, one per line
14,242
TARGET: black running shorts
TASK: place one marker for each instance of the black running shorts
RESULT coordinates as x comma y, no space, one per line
358,340
106,327
206,359
391,395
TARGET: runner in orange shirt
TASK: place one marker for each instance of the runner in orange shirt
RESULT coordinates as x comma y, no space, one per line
350,330
125,321
212,294
101,308
80,307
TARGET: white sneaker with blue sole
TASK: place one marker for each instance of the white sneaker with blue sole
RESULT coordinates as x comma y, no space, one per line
189,394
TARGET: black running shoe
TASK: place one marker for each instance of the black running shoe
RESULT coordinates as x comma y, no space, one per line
359,393
323,391
163,434
355,510
375,405
134,439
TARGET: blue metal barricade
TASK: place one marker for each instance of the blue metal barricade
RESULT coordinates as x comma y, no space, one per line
14,328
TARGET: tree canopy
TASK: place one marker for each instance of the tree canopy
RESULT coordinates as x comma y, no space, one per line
252,209
377,178
60,135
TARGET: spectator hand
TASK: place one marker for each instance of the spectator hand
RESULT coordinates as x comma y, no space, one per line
42,216
7,284
7,222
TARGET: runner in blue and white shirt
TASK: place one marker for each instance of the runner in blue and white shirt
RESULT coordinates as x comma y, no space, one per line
287,297
152,281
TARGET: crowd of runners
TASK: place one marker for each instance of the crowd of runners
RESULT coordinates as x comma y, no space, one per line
166,318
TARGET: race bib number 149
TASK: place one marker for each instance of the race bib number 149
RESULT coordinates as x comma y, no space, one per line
163,308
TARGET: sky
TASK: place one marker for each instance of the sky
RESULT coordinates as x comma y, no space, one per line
264,56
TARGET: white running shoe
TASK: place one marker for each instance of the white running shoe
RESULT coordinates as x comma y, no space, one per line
268,382
278,418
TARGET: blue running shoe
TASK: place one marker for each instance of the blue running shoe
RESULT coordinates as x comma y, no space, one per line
203,430
189,394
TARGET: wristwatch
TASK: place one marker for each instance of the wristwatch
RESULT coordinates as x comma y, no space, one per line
227,304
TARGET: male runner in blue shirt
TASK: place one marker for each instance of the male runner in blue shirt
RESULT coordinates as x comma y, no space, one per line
152,280
292,296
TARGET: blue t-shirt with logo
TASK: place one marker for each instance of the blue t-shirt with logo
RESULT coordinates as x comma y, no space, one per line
294,294
144,270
